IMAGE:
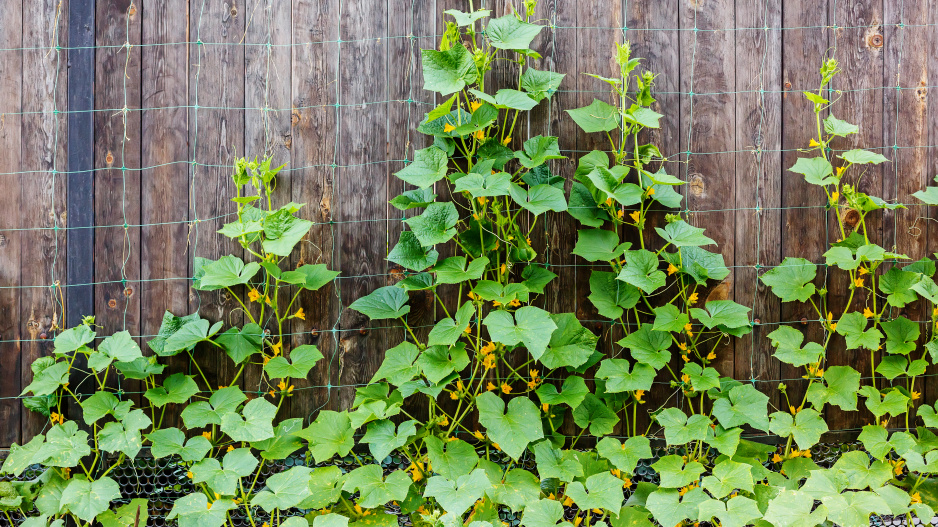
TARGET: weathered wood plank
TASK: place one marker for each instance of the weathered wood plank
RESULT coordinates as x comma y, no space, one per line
43,188
164,180
803,51
11,328
758,186
315,32
857,42
932,151
216,136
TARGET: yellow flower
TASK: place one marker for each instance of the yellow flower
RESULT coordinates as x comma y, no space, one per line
490,387
189,474
503,268
833,327
480,135
867,313
253,295
454,396
813,143
840,171
488,363
545,407
916,498
488,348
635,216
447,128
858,282
638,395
496,446
481,200
534,374
577,521
282,385
608,202
277,348
711,356
682,346
532,384
207,435
300,314
620,213
792,409
627,483
506,140
474,105
467,330
567,502
834,196
687,329
267,301
230,448
472,295
776,458
478,435
685,378
506,388
514,303
616,472
650,191
684,358
916,396
672,269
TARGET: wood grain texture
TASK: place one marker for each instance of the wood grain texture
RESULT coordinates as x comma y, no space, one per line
42,187
12,331
758,187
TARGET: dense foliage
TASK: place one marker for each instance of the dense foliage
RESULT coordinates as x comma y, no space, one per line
498,378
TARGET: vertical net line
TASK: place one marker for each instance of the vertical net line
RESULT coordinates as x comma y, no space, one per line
895,136
54,46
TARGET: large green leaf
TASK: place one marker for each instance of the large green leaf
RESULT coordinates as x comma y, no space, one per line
171,441
177,388
429,164
409,253
513,429
601,491
894,402
853,327
683,234
223,479
284,490
242,344
540,84
87,499
571,344
743,405
437,362
597,117
118,347
649,346
398,364
297,366
897,285
817,170
598,245
330,434
227,271
792,508
204,413
436,224
284,442
538,150
641,271
457,496
508,32
447,72
679,429
738,511
254,424
863,157
194,510
572,392
555,463
859,473
124,436
787,341
701,265
515,489
593,413
722,314
611,297
539,198
454,270
625,456
530,325
373,488
448,330
619,378
728,476
675,472
451,459
791,280
806,426
841,384
283,231
382,439
901,335
382,303
310,277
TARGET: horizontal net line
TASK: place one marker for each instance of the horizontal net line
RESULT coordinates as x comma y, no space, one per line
270,109
409,36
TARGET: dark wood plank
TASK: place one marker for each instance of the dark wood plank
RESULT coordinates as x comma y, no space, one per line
861,61
758,186
11,329
216,137
43,257
932,151
802,53
315,32
164,179
361,185
708,130
905,125
117,170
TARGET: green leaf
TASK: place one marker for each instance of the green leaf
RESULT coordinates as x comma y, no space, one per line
722,314
835,126
625,456
645,117
454,270
513,429
410,254
853,327
901,335
124,436
841,384
728,476
171,441
619,379
611,297
791,280
20,457
239,463
130,514
284,490
531,326
792,508
302,359
680,429
194,510
429,164
863,157
853,509
699,264
466,19
929,196
649,346
738,511
745,405
571,344
73,338
448,330
572,392
515,490
330,434
455,497
536,278
806,427
555,463
597,245
325,486
701,379
540,84
382,303
310,277
597,117
787,341
87,499
283,231
726,441
682,234
817,170
398,364
859,473
894,403
204,413
254,424
382,439
451,459
140,369
609,183
177,388
447,72
46,381
485,185
413,199
538,150
186,338
674,473
227,271
668,507
508,32
641,271
168,326
375,490
436,223
897,284
539,198
118,347
65,445
875,440
602,491
436,362
669,318
594,413
285,441
507,98
240,345
582,206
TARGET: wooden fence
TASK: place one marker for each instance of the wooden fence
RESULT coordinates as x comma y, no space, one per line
333,88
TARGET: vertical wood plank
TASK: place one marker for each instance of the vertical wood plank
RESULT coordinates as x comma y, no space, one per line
905,126
117,168
164,158
758,187
11,329
861,102
803,50
216,136
707,130
315,56
43,187
932,151
361,185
